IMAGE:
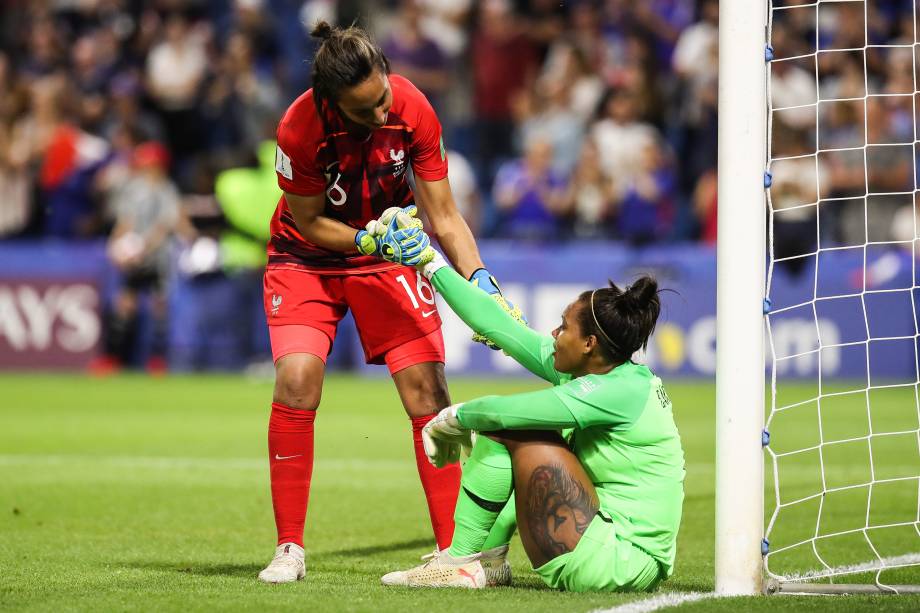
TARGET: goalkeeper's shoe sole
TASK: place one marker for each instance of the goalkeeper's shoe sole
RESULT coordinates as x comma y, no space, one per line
286,567
440,572
495,564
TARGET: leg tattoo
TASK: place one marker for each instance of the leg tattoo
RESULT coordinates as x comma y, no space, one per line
560,509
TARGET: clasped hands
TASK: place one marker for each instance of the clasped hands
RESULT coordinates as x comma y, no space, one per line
396,237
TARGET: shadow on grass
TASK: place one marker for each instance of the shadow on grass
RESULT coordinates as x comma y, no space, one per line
201,570
356,552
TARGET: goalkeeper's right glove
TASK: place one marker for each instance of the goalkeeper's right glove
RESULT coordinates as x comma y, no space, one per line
444,437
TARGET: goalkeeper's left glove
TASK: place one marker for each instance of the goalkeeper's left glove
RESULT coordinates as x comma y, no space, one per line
444,437
402,239
484,280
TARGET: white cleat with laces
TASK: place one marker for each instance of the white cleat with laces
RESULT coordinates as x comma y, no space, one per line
441,570
286,567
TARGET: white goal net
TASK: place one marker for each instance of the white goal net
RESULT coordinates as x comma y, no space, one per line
842,437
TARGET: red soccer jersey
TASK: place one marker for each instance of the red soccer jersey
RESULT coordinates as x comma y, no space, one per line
360,177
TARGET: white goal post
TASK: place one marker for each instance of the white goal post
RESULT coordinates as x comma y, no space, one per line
818,252
739,299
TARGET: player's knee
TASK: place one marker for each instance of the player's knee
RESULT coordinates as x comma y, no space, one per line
297,385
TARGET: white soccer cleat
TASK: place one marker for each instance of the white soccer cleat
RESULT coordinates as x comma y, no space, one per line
441,570
494,562
287,566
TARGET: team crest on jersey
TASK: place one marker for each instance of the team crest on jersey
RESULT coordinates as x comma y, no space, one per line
398,157
276,303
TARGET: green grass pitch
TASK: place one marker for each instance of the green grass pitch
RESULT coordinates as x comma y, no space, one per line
133,493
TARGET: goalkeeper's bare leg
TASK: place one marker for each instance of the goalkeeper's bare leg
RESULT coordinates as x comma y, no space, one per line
555,501
555,498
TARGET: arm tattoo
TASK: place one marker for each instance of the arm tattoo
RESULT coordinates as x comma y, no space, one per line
560,509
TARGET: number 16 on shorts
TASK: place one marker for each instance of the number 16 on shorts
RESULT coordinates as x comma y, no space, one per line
422,295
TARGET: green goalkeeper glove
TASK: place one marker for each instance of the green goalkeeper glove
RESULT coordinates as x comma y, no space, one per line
444,438
484,280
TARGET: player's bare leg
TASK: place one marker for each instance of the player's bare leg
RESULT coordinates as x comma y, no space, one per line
298,389
423,391
555,498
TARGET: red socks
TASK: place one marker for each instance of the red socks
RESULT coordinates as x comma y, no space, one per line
290,458
441,487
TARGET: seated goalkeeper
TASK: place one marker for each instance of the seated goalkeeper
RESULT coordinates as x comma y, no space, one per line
598,509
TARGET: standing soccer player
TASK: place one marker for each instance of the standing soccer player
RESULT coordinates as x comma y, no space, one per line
344,149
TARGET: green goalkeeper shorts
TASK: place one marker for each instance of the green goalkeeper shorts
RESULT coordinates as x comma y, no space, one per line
602,562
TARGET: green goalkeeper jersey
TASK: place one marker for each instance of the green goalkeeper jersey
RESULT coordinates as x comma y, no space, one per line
622,427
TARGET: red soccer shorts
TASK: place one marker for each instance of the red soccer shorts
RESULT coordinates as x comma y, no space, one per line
394,311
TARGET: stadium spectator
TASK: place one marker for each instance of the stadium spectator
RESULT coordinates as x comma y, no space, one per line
15,179
247,197
46,49
147,214
126,112
567,66
242,103
695,127
545,113
530,195
619,135
415,56
645,207
65,158
445,23
175,72
590,196
504,63
705,206
794,194
465,189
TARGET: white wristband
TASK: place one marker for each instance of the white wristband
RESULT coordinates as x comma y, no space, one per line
434,265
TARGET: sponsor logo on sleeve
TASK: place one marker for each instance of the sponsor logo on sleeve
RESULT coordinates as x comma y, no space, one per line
283,164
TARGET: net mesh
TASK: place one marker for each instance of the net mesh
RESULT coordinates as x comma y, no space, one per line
843,457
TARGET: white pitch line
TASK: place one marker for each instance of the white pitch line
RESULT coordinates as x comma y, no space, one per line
661,601
180,463
849,569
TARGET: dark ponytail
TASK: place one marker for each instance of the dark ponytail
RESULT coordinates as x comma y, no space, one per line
622,320
345,58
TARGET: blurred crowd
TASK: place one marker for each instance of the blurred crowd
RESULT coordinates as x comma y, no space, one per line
843,145
151,123
564,120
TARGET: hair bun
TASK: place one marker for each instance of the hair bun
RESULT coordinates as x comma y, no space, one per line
322,30
643,290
